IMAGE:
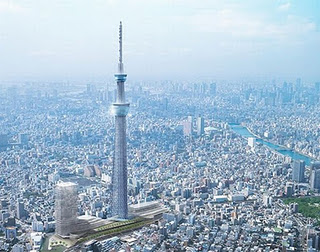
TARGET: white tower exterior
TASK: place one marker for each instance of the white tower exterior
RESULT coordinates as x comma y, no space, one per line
120,110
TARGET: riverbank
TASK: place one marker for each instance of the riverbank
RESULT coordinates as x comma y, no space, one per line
281,146
295,155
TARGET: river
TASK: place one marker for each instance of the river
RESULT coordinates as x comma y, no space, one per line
243,131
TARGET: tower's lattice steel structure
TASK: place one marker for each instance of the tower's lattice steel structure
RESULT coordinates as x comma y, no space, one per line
120,110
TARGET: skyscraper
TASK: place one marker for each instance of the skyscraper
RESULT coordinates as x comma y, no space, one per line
66,208
21,212
200,126
315,176
120,110
252,141
315,179
187,126
298,171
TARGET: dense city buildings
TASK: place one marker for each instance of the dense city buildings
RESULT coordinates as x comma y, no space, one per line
211,145
240,185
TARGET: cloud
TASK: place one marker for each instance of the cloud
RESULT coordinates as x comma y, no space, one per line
284,7
237,24
9,6
42,53
226,21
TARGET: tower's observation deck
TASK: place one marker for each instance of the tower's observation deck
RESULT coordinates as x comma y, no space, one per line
120,110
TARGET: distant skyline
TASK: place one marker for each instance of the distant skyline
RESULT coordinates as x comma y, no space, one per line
164,39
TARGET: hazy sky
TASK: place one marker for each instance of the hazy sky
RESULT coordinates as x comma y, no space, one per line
163,39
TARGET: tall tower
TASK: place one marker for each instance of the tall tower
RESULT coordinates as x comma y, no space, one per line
120,110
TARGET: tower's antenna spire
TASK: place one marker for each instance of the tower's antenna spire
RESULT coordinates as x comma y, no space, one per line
120,66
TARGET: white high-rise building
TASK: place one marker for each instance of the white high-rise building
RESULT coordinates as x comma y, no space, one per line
66,208
251,141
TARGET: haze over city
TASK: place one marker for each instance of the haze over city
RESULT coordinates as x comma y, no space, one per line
165,39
